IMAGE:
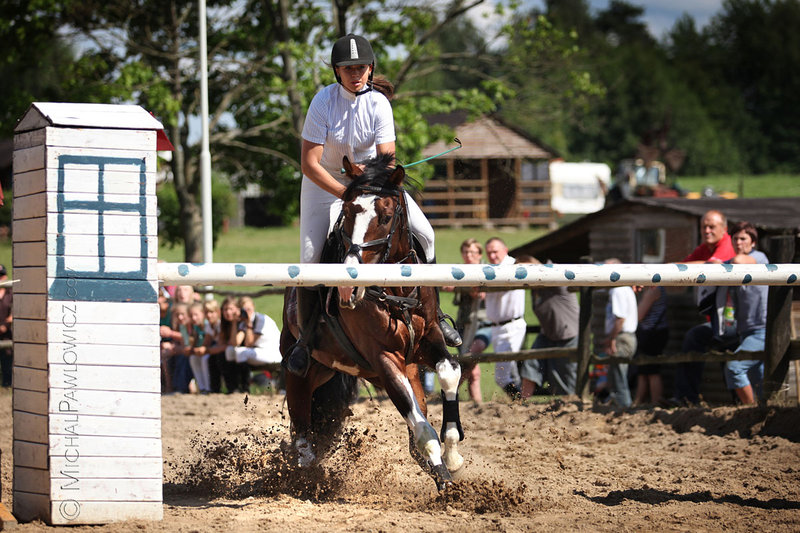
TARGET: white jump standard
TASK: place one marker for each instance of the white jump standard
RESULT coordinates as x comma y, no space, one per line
87,404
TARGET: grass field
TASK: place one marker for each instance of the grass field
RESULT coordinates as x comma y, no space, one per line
766,186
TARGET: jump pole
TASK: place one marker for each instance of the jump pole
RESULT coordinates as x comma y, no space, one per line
86,401
487,276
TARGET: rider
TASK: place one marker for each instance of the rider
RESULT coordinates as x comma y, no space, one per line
352,118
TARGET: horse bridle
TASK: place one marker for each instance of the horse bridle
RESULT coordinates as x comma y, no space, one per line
399,211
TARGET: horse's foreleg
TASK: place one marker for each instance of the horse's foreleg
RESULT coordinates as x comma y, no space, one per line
449,376
424,437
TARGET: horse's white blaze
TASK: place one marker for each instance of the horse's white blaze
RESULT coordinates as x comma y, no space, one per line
360,225
424,434
449,377
305,456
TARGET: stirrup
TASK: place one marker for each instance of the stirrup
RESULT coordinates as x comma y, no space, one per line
451,336
299,359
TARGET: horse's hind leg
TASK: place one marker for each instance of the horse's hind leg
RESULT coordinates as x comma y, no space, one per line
449,373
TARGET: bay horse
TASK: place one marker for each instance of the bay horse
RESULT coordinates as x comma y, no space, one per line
379,334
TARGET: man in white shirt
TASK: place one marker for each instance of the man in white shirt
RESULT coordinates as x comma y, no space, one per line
505,312
622,319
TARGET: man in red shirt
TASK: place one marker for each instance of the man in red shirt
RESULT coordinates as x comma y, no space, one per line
716,247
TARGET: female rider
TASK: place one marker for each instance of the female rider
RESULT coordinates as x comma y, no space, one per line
352,118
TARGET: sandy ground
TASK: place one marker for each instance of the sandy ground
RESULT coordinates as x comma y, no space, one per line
559,466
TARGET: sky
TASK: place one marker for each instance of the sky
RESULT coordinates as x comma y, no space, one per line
659,15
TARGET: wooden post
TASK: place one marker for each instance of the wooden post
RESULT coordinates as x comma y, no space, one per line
87,394
779,316
584,339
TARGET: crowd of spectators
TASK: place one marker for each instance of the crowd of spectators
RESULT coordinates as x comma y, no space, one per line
210,348
635,326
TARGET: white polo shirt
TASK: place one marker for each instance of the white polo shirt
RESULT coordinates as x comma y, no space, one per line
348,125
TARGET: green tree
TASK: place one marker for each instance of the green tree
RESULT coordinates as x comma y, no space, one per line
759,51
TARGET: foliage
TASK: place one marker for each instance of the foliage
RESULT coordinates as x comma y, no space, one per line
223,204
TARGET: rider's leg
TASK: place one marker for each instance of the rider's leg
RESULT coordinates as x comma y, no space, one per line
299,358
317,208
423,231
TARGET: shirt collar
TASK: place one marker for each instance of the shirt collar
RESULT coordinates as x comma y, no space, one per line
346,94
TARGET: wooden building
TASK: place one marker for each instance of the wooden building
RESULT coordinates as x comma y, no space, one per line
663,230
494,179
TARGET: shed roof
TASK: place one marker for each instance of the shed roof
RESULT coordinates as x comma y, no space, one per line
115,116
486,138
571,241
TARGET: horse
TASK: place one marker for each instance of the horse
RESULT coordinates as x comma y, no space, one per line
379,334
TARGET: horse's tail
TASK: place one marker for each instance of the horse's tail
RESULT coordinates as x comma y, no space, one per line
330,407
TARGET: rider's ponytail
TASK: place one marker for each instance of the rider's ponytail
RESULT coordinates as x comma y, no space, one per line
383,86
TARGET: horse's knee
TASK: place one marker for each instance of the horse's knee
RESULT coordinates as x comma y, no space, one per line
449,373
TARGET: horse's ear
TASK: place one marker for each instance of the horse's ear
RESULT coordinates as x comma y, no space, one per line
350,169
398,176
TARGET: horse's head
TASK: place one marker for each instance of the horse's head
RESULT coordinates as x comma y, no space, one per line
374,224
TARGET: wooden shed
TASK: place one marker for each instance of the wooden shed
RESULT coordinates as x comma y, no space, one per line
663,230
495,179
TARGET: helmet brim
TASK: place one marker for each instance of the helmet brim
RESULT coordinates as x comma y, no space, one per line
349,62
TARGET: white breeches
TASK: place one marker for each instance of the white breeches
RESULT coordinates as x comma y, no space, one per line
508,338
252,356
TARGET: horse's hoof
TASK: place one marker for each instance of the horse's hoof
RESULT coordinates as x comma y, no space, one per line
442,476
458,473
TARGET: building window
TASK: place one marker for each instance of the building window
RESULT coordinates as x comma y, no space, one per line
650,245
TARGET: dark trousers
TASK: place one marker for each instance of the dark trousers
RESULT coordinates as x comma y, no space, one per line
7,366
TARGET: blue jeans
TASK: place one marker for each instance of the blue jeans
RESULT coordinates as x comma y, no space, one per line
618,389
740,374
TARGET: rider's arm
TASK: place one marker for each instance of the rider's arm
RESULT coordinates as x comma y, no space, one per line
310,157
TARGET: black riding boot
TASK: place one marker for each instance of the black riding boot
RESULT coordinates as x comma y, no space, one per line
299,358
451,336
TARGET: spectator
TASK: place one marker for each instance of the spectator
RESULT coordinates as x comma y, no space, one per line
750,305
716,247
471,321
620,341
237,376
171,336
178,364
198,358
651,338
256,340
557,310
505,312
212,348
6,321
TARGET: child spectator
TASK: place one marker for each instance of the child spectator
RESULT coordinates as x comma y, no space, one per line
198,358
237,375
212,349
257,338
181,371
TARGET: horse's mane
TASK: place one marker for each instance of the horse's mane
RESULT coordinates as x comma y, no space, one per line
377,171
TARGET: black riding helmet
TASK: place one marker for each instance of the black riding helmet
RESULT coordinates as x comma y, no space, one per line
352,50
